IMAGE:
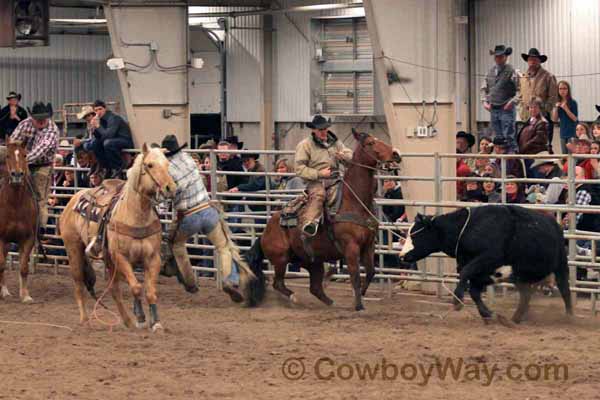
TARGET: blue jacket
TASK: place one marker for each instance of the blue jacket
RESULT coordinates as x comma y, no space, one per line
113,126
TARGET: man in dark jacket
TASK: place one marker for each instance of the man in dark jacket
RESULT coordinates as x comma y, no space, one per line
11,115
111,135
255,183
392,191
231,163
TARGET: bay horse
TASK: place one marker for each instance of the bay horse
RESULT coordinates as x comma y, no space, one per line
18,215
133,237
353,229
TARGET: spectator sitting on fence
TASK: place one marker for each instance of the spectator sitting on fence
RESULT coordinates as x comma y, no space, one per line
286,182
474,190
513,166
111,135
515,192
490,190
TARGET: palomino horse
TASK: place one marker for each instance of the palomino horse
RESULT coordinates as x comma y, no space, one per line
18,215
133,237
352,235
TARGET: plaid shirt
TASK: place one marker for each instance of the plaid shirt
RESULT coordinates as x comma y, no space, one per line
41,145
190,187
582,198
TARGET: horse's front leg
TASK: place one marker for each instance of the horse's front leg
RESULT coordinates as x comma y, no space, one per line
25,249
151,271
123,267
352,255
3,253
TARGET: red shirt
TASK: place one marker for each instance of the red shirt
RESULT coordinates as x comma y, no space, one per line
586,165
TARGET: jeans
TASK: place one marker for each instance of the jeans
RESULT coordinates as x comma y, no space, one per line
108,151
563,145
503,124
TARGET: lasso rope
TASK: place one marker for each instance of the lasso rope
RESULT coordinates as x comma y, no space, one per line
36,324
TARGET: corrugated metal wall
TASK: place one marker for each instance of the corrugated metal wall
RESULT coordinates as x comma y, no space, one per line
71,69
568,31
293,56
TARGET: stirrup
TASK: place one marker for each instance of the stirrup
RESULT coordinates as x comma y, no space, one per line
93,249
311,228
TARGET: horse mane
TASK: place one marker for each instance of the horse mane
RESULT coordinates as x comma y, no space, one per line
133,173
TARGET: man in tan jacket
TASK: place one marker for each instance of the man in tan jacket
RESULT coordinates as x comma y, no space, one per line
537,82
317,161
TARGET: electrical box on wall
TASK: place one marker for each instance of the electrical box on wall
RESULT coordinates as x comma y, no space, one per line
421,131
24,23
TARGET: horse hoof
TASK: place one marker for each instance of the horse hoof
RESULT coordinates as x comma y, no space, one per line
4,292
140,325
294,299
458,306
236,297
27,299
504,321
158,328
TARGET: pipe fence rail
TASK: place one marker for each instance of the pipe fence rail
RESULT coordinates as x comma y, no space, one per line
248,212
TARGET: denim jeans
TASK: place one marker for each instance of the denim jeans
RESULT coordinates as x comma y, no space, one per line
503,124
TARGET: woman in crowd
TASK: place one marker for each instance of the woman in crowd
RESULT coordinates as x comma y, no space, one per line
490,190
515,194
491,169
596,130
474,190
485,147
533,137
286,182
566,112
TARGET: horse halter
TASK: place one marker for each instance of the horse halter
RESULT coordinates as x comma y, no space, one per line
146,170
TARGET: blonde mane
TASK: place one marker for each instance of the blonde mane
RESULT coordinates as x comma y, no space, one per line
133,173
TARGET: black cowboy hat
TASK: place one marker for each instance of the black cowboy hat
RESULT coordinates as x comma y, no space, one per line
469,137
172,145
40,110
235,140
247,156
319,122
598,107
500,141
533,52
501,50
13,95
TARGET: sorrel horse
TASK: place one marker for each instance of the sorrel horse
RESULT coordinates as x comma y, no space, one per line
18,215
133,237
353,229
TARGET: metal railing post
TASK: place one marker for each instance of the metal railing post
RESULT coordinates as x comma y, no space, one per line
213,195
572,223
437,197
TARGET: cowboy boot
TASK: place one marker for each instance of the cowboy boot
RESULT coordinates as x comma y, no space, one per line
314,209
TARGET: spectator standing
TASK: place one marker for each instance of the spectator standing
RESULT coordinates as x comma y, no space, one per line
393,191
565,112
533,137
11,115
538,82
255,183
499,94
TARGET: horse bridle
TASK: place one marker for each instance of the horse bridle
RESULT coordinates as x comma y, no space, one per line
377,168
146,170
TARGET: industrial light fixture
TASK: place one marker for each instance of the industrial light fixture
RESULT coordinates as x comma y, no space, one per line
115,64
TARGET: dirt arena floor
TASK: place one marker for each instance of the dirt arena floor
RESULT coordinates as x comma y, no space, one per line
213,349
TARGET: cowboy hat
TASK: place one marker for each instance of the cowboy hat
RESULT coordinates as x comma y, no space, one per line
246,156
598,107
500,141
541,161
172,145
40,111
501,50
467,136
235,140
533,52
13,95
85,111
319,122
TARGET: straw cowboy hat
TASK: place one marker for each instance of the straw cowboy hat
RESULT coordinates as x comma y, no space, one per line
501,50
541,161
533,52
172,145
85,111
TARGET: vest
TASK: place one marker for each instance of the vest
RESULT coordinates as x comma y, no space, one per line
501,87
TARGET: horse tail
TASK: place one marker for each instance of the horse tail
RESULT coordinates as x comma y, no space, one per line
89,279
252,279
256,290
